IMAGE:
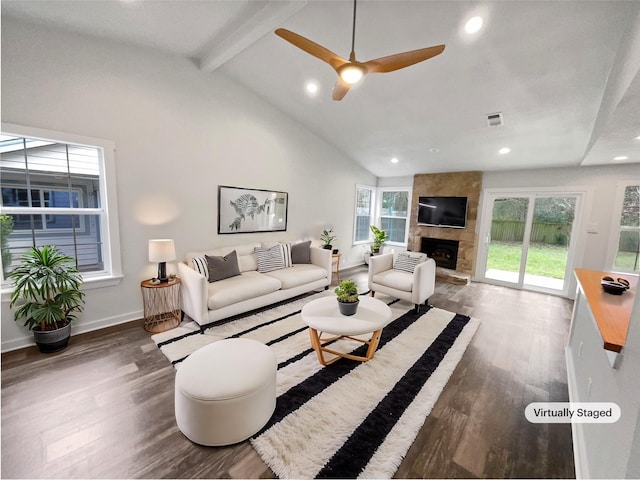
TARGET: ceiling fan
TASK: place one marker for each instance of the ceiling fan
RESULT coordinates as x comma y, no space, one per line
351,71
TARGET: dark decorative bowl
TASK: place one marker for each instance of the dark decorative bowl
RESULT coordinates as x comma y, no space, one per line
613,287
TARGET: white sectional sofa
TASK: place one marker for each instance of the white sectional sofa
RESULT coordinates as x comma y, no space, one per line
207,302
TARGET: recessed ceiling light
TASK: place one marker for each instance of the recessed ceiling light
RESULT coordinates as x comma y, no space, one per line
473,25
311,88
504,150
394,160
638,137
621,157
434,150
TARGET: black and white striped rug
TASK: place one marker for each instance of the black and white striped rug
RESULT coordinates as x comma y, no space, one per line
348,419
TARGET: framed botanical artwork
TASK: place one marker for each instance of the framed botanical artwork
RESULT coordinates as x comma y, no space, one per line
247,210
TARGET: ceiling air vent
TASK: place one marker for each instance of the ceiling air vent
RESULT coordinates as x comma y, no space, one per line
494,119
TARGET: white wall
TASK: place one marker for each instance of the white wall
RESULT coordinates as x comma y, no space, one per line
179,133
395,181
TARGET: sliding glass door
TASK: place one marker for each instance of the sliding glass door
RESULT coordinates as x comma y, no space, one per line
527,240
505,241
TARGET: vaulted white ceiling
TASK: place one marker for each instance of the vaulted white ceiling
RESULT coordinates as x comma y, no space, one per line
564,74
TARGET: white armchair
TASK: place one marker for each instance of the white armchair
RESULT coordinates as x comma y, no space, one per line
414,287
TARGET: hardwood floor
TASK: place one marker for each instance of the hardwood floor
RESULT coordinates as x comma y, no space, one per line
103,408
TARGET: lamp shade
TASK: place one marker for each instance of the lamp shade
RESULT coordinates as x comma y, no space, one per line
162,250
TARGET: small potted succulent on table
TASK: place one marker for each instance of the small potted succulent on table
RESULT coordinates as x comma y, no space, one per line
348,299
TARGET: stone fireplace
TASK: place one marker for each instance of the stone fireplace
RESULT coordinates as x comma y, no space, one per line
444,252
451,184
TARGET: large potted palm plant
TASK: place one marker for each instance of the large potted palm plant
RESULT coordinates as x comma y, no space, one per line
47,292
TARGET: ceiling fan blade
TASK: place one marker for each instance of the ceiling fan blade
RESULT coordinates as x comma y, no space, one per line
318,51
401,60
340,89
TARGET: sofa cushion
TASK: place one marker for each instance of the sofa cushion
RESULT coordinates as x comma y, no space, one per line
270,259
285,248
222,267
286,254
398,279
239,288
407,261
199,264
299,274
301,252
246,256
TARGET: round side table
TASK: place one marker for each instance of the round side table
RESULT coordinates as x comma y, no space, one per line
335,264
161,305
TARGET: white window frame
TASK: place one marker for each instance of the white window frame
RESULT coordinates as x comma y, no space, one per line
47,213
112,272
372,207
615,229
378,216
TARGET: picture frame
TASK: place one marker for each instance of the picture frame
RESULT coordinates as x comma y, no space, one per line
250,210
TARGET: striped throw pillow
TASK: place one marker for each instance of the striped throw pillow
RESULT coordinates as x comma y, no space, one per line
286,255
270,259
199,264
407,261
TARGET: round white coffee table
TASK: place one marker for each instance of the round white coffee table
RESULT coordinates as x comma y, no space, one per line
323,316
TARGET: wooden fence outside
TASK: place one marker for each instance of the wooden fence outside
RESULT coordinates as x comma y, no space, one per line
549,233
541,232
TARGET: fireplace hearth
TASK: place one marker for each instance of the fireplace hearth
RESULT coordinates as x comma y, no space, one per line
444,252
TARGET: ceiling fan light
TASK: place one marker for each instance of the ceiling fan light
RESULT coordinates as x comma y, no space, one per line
351,74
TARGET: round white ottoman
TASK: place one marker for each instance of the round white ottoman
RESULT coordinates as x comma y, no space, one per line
226,391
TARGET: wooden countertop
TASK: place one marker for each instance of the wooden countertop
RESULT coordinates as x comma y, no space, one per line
611,312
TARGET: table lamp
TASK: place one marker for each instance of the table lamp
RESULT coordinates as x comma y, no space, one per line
162,251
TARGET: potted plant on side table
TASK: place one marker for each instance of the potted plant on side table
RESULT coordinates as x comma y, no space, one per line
347,292
46,285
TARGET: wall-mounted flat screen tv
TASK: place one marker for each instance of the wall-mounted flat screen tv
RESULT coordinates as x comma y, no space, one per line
442,211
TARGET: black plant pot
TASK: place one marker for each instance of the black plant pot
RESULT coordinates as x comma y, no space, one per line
348,308
51,341
327,247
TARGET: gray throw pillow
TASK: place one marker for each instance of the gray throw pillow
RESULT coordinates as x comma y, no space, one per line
223,267
301,252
